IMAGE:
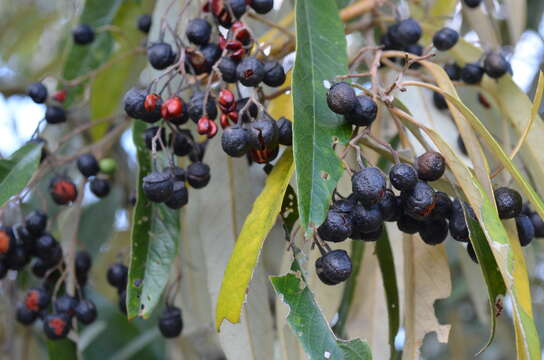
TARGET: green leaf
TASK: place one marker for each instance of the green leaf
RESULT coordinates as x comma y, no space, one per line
249,244
321,55
118,77
17,170
154,241
63,349
84,58
309,324
490,271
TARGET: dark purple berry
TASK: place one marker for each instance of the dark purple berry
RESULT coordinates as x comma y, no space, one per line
170,322
285,131
409,31
439,101
227,67
25,316
453,70
509,202
198,31
337,226
526,230
409,225
368,185
117,276
83,34
341,98
403,176
472,253
442,209
263,134
149,135
18,258
158,186
495,64
179,197
333,267
261,6
36,299
420,201
434,232
198,175
88,165
445,38
250,71
161,55
100,187
472,3
472,73
144,23
274,75
364,112
36,222
430,166
55,114
83,262
458,224
235,141
389,206
196,106
85,312
538,224
366,219
37,92
66,304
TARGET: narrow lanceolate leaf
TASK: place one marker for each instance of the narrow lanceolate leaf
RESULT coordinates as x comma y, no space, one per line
248,247
17,170
309,324
496,288
82,59
321,55
506,250
63,349
154,239
118,77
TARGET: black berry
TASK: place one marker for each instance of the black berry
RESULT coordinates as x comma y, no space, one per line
85,311
285,131
445,38
368,185
144,23
495,64
100,187
453,70
333,267
235,141
472,3
263,134
439,101
83,34
161,55
262,6
37,92
341,98
509,202
198,31
18,258
149,135
409,31
88,165
179,197
443,205
36,222
274,75
55,114
434,232
83,262
170,322
420,201
196,106
403,176
367,219
472,253
458,225
526,230
227,67
389,206
182,143
472,73
56,326
66,304
364,112
117,276
409,225
538,224
250,71
430,166
25,316
158,186
198,175
336,227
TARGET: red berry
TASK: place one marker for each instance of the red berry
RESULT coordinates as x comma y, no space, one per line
240,32
63,190
227,101
151,101
60,95
173,110
203,125
212,129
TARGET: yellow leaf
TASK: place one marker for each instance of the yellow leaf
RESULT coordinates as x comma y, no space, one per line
250,242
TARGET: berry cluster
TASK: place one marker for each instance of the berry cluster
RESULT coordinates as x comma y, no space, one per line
22,242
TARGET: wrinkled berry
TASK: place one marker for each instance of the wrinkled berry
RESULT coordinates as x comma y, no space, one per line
409,31
430,166
420,201
117,275
526,230
100,187
472,73
149,135
337,226
409,225
182,143
442,209
178,173
445,38
341,98
263,134
403,176
371,236
83,34
235,141
88,165
509,202
333,267
495,64
134,105
366,219
250,71
434,232
285,131
144,23
170,322
55,114
158,186
37,92
198,31
85,311
198,175
389,206
161,55
62,190
274,75
179,197
66,304
56,326
364,112
453,70
368,185
196,106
